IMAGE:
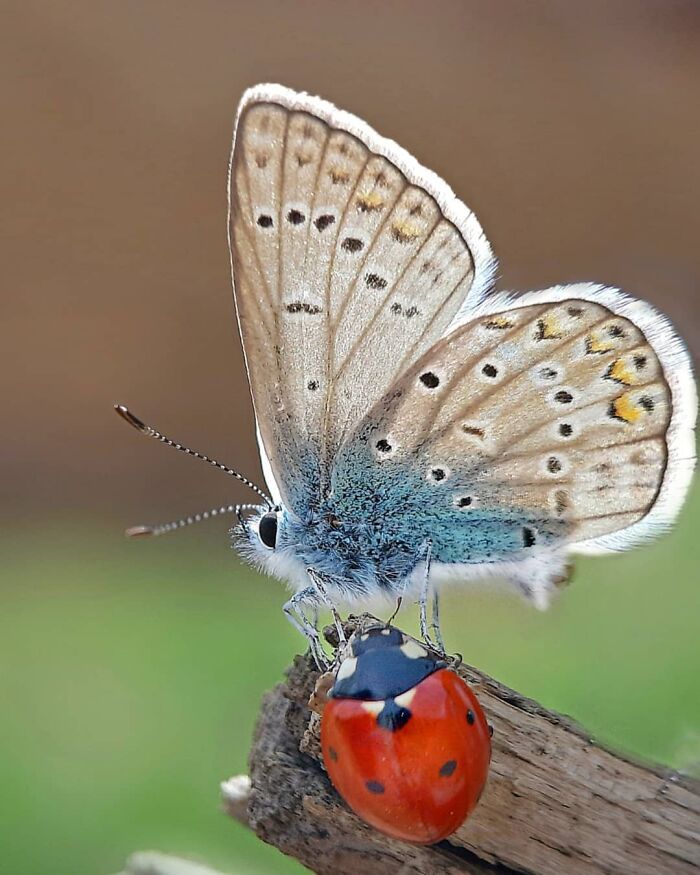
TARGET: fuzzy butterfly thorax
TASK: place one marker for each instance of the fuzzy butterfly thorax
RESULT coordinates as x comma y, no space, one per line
405,413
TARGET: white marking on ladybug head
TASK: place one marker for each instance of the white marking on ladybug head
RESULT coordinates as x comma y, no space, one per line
405,699
413,650
347,668
373,707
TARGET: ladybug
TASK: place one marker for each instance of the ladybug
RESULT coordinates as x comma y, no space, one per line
404,739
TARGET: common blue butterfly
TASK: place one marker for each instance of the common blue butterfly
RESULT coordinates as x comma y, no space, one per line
415,427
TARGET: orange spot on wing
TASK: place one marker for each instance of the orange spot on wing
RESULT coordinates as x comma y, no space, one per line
595,344
548,327
625,409
619,372
403,231
369,201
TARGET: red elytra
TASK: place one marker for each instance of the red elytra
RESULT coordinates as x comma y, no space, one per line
421,778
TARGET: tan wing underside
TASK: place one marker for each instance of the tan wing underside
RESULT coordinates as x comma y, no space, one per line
561,408
344,274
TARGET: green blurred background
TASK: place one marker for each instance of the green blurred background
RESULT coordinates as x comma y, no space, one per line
130,673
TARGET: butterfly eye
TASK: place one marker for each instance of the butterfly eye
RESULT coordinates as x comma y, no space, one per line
267,530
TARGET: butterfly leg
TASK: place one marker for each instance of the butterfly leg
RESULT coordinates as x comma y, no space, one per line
296,616
323,592
435,622
423,602
430,629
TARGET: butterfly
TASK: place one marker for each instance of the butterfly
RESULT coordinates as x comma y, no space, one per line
414,426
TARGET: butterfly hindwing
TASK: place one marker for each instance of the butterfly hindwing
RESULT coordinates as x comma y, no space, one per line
562,419
349,261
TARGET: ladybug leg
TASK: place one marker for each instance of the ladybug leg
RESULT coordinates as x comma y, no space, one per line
323,592
296,616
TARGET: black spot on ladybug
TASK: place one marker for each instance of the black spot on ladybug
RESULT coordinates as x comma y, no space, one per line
393,716
448,768
430,380
470,717
333,754
374,786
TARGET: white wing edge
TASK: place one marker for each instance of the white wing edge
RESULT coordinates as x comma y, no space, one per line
454,210
677,368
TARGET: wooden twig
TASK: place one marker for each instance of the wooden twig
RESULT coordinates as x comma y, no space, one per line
556,803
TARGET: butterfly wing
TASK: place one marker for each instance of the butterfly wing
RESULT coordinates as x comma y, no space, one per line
349,261
563,418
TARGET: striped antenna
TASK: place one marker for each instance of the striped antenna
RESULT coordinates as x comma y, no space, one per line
164,528
149,431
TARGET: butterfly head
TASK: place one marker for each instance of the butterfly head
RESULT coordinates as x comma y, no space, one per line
347,552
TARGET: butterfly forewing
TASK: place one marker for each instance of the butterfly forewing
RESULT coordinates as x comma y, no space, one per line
349,262
550,419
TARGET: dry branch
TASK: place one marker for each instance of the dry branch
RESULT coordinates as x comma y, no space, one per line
556,803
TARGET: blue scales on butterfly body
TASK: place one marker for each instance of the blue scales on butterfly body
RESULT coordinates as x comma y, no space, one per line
371,531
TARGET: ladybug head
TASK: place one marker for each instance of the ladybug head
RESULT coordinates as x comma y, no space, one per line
381,663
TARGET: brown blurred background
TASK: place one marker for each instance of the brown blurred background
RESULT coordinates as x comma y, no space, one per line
130,674
572,130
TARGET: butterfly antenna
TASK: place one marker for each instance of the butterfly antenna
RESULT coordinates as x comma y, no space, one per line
149,431
164,528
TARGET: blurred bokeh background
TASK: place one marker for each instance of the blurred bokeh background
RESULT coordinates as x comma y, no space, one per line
130,673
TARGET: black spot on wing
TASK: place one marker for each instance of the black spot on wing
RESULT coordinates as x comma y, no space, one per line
323,222
374,786
374,281
352,244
